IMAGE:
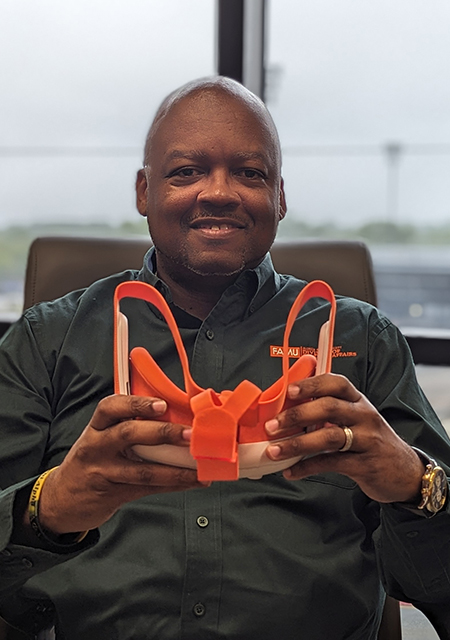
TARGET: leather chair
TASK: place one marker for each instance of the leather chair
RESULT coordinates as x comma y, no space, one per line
57,265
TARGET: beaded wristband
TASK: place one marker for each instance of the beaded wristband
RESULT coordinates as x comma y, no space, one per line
33,514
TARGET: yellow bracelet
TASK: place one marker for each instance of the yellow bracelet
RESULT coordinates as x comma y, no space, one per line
33,514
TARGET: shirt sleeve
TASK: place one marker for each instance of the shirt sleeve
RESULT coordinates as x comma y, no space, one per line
413,551
26,413
26,398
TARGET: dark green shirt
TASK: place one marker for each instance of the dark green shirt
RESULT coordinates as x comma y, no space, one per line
240,560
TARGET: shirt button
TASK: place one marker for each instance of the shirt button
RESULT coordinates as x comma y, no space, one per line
202,521
210,334
199,609
412,534
6,552
27,562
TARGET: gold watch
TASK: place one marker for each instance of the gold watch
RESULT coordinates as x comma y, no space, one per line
434,485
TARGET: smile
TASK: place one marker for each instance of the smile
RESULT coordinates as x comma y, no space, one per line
216,226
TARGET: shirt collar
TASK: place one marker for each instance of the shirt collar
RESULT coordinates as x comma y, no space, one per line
258,284
148,274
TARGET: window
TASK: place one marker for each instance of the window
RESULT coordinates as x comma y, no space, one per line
360,94
80,84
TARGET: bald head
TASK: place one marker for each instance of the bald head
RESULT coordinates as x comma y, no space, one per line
208,90
211,188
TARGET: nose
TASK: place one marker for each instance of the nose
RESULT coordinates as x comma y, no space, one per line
219,190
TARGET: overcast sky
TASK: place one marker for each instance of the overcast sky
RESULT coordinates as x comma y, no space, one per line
350,76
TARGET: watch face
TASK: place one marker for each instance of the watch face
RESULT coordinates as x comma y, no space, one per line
438,490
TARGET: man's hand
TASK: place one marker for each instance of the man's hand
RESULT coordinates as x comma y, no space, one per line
383,465
101,472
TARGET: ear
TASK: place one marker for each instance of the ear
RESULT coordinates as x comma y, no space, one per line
283,205
141,192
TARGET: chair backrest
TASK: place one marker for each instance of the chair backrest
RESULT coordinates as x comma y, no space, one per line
57,265
346,265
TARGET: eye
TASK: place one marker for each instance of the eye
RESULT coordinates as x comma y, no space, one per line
185,174
251,174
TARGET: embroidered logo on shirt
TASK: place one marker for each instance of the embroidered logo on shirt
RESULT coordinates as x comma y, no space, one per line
296,352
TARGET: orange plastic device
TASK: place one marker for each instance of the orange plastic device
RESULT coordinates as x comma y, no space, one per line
226,426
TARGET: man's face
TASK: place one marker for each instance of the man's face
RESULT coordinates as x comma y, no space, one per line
212,191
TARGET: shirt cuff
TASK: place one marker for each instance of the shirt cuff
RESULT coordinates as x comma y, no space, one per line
21,560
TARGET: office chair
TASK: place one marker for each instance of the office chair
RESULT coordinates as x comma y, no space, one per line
57,265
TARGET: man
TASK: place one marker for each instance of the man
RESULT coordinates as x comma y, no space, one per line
301,553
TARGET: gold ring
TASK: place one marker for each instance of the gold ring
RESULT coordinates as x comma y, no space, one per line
348,439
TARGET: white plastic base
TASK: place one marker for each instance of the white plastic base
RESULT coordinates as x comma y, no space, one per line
253,462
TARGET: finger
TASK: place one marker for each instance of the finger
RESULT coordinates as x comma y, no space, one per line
323,463
117,408
317,413
155,475
150,432
328,440
327,384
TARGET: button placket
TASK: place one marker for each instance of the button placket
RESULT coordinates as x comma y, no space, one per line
202,578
